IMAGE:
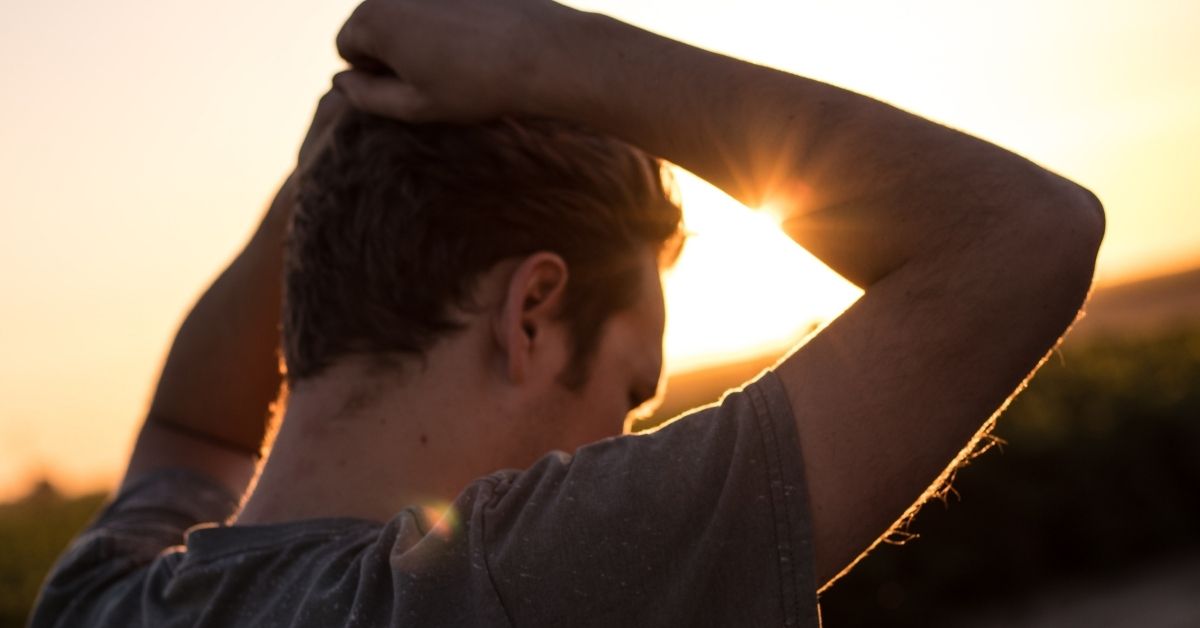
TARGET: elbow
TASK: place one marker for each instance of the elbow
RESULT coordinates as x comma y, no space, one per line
1087,215
1060,246
1081,225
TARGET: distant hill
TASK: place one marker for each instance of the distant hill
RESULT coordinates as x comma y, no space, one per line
1134,308
1141,307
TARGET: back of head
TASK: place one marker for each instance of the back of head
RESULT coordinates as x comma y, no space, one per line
397,221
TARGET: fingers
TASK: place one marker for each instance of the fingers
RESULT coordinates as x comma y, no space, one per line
331,106
384,95
356,44
350,39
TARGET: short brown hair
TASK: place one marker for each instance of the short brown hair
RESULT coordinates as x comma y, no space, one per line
396,221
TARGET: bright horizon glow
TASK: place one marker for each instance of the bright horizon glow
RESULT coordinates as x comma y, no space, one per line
139,142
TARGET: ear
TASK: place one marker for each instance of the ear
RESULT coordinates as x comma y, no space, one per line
531,304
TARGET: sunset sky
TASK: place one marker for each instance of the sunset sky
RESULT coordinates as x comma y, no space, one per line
139,142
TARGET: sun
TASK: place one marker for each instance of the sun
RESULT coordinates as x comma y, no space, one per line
741,286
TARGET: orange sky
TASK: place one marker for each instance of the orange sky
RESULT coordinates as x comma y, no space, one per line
139,141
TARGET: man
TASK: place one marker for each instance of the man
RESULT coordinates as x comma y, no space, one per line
390,495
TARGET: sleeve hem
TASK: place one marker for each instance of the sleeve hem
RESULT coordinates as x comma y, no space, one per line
789,499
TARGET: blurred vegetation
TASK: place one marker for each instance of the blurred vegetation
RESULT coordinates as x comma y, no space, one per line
33,532
1100,474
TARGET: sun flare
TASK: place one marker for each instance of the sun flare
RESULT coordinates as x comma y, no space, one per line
741,286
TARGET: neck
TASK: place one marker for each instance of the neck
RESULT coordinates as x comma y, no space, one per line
368,446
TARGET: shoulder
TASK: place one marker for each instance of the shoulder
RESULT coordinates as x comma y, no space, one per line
703,521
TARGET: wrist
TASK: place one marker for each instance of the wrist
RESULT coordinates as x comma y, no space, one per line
285,199
268,236
605,74
567,65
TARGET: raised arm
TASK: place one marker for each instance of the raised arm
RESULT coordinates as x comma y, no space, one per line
210,410
974,260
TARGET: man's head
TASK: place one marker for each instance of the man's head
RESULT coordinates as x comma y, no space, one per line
397,225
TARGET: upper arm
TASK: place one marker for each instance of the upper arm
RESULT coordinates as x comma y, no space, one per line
160,446
891,392
98,578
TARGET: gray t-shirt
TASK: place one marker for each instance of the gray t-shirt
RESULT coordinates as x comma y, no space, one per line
703,522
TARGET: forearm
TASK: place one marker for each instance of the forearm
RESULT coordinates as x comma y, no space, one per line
211,409
863,185
975,259
222,371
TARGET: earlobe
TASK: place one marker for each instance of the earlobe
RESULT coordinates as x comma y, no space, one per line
532,299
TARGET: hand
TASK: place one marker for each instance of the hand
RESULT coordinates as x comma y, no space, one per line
451,60
330,108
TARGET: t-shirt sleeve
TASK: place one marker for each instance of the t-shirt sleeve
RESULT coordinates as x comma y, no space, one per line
144,519
703,522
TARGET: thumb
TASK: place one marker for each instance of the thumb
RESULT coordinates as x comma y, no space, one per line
383,95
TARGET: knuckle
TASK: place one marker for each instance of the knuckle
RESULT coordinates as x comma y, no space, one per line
352,35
